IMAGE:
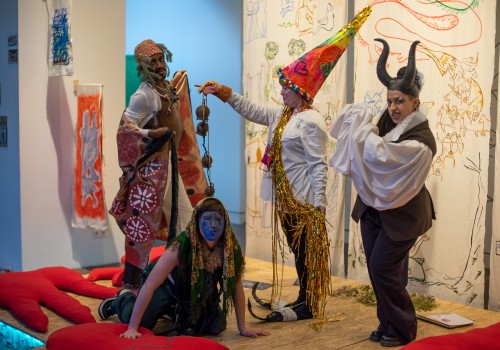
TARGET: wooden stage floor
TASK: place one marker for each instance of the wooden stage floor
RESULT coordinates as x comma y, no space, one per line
351,332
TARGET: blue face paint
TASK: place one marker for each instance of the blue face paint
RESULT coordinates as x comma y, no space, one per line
211,225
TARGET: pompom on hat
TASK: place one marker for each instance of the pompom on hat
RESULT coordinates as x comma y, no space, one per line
307,74
146,49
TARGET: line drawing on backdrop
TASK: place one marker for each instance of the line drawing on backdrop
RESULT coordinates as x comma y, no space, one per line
451,57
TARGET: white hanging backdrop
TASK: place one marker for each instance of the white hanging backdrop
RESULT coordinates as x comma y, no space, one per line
275,34
494,290
456,56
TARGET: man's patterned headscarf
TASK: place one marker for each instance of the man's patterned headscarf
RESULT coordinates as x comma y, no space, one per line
143,53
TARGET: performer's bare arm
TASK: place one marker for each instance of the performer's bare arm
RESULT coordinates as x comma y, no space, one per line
239,308
167,262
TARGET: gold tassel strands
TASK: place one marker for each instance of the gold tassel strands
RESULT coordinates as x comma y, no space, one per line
317,250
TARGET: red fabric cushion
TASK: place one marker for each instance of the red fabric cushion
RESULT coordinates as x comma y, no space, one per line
156,252
106,336
477,338
117,278
23,292
103,273
115,274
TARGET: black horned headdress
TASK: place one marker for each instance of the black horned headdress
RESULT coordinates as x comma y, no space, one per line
407,81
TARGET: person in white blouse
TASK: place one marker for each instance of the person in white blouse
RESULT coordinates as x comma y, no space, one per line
304,155
295,168
388,164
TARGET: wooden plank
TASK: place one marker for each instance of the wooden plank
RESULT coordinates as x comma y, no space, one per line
351,332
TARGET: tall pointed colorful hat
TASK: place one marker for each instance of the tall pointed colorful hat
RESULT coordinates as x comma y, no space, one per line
307,74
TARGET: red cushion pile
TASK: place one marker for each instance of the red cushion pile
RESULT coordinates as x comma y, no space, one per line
106,336
476,339
24,292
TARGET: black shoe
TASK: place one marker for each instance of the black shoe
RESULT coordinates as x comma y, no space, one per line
104,309
376,335
302,311
388,341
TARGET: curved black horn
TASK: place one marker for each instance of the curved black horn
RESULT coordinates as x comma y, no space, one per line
382,74
261,302
411,69
249,306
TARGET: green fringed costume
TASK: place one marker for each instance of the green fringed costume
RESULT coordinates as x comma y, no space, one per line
198,293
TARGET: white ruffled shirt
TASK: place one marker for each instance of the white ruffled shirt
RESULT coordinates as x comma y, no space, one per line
304,149
386,175
143,105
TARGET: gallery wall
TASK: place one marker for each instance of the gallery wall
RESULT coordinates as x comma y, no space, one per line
10,214
47,119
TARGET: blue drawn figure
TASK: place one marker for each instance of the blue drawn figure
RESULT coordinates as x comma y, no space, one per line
89,156
60,38
286,6
375,102
257,20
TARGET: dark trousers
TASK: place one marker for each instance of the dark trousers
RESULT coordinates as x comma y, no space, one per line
298,250
387,262
161,301
164,302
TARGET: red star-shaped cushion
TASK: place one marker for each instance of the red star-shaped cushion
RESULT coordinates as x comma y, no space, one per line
105,336
477,338
24,292
115,274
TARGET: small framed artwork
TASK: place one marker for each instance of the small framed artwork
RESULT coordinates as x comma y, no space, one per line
12,40
13,56
3,131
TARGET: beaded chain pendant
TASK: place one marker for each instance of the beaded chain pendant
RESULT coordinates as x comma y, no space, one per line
202,113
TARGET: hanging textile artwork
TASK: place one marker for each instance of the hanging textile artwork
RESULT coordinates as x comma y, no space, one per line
60,50
89,210
455,54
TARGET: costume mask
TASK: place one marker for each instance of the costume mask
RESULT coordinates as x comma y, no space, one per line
211,225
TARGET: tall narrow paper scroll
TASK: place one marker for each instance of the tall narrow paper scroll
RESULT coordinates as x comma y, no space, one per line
89,208
60,45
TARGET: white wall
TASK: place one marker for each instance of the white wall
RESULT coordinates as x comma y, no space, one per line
47,119
10,218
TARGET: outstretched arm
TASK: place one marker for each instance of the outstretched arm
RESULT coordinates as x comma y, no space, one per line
239,307
162,269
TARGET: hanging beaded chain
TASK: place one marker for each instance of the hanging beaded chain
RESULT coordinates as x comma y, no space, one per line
202,113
